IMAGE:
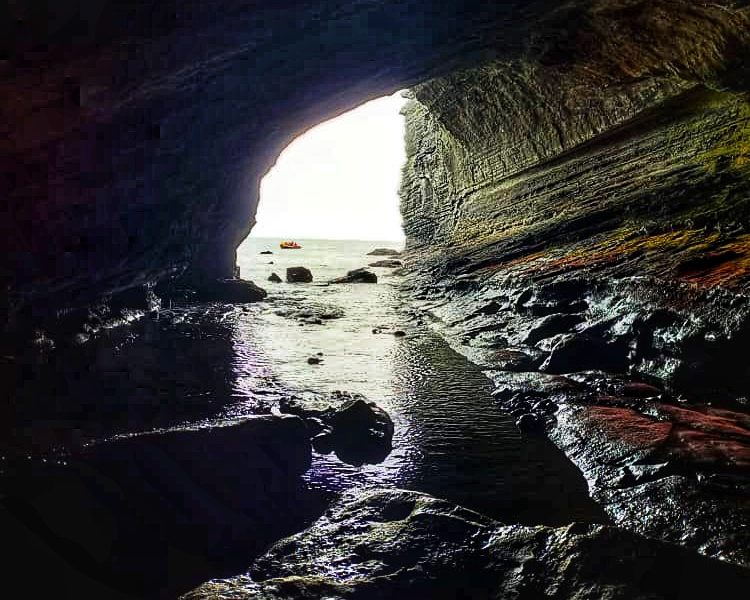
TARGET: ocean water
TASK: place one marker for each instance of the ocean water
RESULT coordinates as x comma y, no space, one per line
190,364
450,439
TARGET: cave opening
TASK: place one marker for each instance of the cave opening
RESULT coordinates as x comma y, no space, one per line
562,347
337,181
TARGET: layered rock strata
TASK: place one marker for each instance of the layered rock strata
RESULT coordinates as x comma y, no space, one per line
584,237
135,137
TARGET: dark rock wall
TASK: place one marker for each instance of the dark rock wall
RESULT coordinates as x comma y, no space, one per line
633,181
578,222
135,135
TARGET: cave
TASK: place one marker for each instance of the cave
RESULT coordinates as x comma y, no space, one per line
576,203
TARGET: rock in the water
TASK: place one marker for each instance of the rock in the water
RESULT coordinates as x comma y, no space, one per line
229,290
530,423
275,278
384,252
362,432
298,275
388,263
399,333
314,360
389,543
266,252
359,431
357,276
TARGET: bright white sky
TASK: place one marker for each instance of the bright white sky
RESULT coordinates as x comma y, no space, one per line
339,180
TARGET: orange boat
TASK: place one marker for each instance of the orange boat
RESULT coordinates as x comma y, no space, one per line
289,245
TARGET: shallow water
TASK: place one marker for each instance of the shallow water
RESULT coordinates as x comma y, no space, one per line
190,364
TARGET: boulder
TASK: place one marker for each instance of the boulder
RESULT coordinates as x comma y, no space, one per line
530,423
229,290
390,543
266,252
362,432
163,510
357,276
384,252
357,430
586,352
275,278
388,263
298,275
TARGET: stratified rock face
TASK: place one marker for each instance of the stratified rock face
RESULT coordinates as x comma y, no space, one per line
583,224
135,136
398,544
608,210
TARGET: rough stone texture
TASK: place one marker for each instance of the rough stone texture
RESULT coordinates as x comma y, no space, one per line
298,275
154,514
399,544
357,276
135,153
569,216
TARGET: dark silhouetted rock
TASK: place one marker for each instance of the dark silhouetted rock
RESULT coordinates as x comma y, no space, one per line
530,423
229,290
552,325
266,252
389,264
584,352
186,498
314,360
298,275
275,278
389,543
384,252
362,432
357,276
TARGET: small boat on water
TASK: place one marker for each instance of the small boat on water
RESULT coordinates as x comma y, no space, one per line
289,245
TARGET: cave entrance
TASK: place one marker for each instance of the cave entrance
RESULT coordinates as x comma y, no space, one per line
337,181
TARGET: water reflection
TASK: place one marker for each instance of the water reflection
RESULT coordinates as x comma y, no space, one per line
450,440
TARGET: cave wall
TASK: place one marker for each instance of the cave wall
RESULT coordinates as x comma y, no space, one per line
135,135
611,192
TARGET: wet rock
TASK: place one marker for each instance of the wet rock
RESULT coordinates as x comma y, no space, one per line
399,333
640,390
389,264
324,442
530,423
585,352
266,252
314,360
275,278
388,543
311,312
229,290
675,458
384,252
357,276
358,431
552,325
298,275
185,499
362,432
